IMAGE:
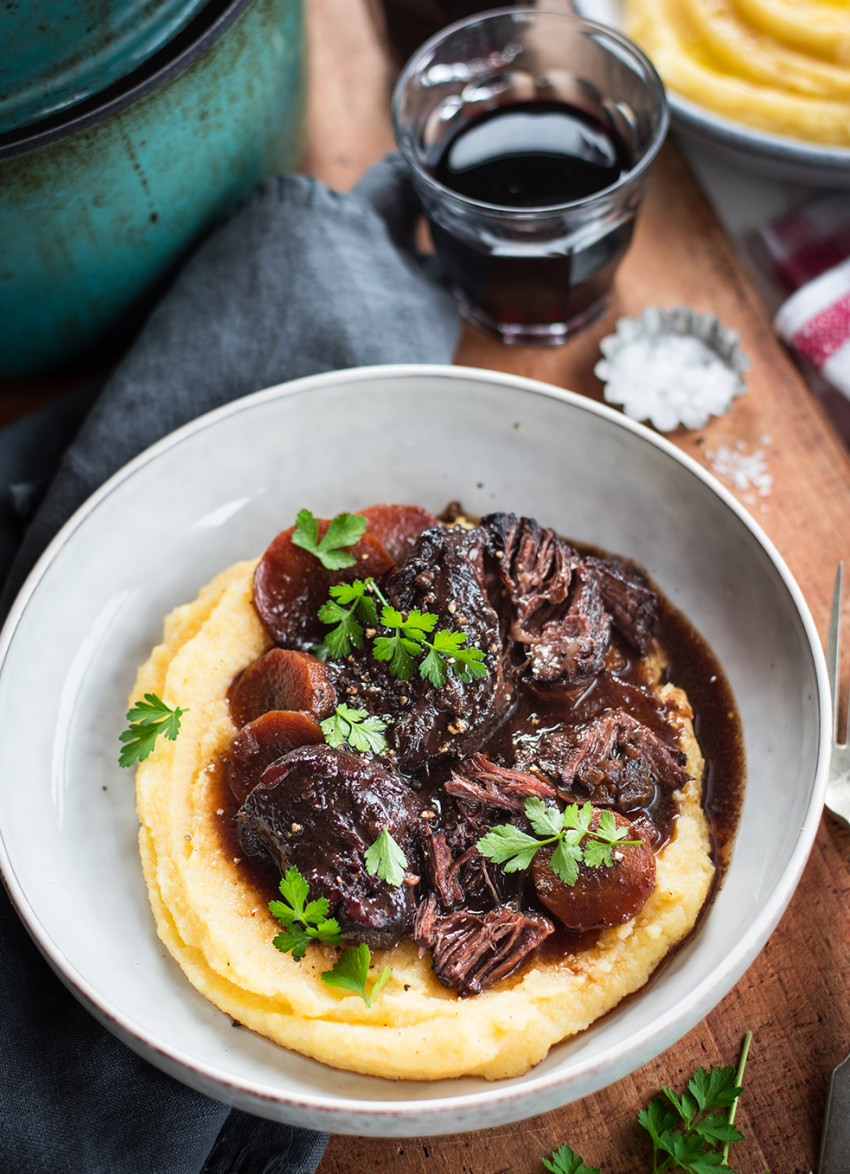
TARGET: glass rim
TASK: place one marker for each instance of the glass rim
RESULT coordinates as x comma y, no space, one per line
415,61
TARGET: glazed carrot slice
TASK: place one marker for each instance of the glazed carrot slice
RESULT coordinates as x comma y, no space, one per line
264,740
290,585
282,679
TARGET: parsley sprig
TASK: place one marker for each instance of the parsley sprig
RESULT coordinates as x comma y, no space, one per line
351,970
348,609
343,531
565,1161
411,635
690,1133
360,730
302,921
409,640
569,830
148,719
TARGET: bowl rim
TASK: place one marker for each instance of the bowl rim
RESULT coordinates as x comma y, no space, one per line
361,1116
691,117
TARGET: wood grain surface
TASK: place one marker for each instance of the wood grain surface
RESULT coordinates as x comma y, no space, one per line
794,998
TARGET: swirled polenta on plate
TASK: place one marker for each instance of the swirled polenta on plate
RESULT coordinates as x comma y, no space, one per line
213,918
781,66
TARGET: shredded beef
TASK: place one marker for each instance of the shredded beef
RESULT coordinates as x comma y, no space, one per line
439,869
474,951
571,651
613,760
558,616
454,867
535,565
445,575
481,781
628,597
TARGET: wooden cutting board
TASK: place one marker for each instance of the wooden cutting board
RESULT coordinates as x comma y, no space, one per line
796,996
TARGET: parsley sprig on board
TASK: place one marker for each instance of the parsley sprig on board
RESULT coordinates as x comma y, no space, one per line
353,614
687,1131
343,531
148,719
569,830
564,1161
691,1132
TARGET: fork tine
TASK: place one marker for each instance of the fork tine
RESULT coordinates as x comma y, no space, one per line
833,653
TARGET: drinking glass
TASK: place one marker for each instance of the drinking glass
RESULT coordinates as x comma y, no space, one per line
530,272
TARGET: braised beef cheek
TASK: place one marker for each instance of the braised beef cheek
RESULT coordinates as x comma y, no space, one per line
446,574
320,809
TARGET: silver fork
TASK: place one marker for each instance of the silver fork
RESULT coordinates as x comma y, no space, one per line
835,1136
838,783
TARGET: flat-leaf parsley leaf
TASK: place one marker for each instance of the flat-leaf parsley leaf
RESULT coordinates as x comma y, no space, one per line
564,1161
385,859
351,970
344,530
302,921
356,727
148,719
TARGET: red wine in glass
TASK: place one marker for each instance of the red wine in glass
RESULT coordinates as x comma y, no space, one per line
533,155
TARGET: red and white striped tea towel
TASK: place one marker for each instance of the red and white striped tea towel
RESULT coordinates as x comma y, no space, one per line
809,250
815,321
806,242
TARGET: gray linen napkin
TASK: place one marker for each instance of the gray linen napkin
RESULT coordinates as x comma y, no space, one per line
301,279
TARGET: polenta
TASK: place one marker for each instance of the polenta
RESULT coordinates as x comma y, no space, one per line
210,902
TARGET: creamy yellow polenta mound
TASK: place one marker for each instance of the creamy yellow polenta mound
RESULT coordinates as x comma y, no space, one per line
217,926
781,66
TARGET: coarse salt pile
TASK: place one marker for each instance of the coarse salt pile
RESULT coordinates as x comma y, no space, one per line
672,368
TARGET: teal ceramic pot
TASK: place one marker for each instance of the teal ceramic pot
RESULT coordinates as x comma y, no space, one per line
57,52
102,198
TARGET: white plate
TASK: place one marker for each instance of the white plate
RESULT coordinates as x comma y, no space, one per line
220,489
773,156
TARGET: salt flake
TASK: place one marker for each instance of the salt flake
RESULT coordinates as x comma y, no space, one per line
745,471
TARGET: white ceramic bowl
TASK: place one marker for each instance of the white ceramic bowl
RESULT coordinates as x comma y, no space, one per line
220,489
772,156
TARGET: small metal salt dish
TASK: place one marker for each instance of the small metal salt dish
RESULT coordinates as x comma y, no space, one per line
672,367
